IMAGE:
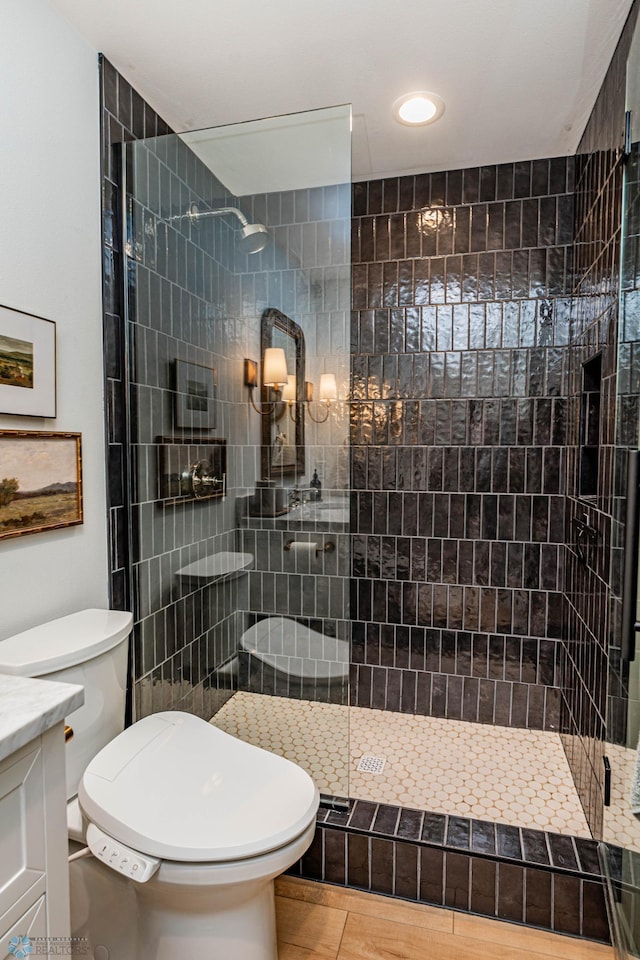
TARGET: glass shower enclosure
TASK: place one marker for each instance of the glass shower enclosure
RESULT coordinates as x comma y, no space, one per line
237,258
620,851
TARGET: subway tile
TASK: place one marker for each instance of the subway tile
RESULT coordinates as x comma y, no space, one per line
433,829
457,869
508,841
566,904
386,820
431,875
537,908
510,892
458,833
410,824
381,865
357,861
483,837
562,852
362,815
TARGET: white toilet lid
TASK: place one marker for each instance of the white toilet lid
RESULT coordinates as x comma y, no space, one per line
308,653
174,786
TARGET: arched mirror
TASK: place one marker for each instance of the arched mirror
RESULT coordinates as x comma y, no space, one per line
283,430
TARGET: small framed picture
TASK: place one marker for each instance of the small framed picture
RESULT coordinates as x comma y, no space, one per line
40,481
195,396
27,364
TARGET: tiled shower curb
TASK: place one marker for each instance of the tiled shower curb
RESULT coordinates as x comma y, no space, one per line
540,879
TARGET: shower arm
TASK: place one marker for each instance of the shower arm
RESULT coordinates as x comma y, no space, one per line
194,214
253,237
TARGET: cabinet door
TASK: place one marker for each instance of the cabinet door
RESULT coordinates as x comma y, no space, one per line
22,831
31,924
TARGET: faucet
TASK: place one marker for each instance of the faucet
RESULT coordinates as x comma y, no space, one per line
294,498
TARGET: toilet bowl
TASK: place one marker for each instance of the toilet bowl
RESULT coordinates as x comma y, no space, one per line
188,826
280,655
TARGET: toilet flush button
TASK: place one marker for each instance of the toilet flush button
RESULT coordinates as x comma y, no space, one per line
120,857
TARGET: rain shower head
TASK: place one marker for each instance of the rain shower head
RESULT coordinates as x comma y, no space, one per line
253,236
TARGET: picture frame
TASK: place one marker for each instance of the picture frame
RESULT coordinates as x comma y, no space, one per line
27,364
196,388
40,481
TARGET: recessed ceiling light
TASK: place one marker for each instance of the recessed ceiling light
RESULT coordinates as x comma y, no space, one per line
417,109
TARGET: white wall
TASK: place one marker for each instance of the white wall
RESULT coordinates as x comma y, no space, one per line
50,266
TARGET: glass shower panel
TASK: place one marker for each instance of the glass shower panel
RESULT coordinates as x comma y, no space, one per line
237,241
620,853
621,827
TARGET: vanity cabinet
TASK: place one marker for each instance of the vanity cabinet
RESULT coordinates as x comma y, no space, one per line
34,886
34,876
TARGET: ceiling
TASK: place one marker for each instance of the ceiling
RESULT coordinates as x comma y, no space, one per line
518,77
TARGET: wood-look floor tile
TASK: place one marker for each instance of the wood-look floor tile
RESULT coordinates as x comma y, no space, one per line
289,951
366,938
368,904
310,926
541,942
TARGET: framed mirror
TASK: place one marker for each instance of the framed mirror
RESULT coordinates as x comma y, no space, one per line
283,430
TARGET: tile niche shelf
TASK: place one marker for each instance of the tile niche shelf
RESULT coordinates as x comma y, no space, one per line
217,566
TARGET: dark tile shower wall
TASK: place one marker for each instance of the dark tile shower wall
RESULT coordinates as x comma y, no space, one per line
182,631
592,582
125,116
461,297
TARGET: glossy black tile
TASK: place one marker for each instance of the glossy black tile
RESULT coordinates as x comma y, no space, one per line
434,827
483,837
410,824
508,841
457,870
511,892
537,907
362,815
458,833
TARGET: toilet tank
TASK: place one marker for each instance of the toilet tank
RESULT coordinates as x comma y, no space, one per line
90,648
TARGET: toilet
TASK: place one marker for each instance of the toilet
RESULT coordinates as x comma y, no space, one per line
278,653
188,826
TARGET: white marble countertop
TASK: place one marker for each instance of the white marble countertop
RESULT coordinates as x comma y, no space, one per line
28,707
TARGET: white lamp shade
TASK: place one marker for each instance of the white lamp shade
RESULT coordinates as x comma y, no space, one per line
328,387
289,392
274,367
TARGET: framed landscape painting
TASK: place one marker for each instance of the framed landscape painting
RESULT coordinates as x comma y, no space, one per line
27,364
40,481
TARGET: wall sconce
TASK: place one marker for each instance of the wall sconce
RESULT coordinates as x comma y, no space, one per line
328,393
274,368
290,396
274,375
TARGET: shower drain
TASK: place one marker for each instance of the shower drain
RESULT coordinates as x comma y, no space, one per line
370,764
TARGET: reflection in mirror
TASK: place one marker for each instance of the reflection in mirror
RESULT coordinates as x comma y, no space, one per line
283,429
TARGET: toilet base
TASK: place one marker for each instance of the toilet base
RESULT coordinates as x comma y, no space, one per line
103,912
224,910
208,922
